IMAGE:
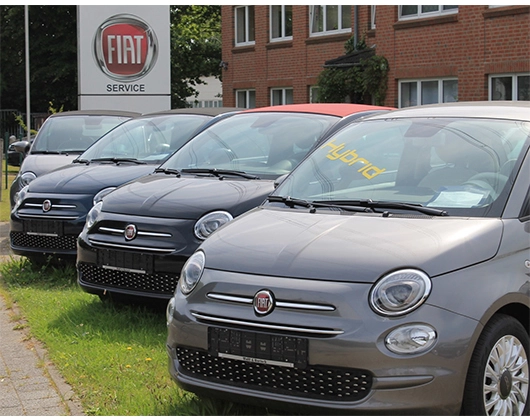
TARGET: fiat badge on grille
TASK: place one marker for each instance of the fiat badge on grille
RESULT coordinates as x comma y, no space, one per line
263,302
46,205
130,232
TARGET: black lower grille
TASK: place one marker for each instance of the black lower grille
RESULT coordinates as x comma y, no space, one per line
156,283
43,242
318,382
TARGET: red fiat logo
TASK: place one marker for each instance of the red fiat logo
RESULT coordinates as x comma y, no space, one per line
130,232
125,47
263,302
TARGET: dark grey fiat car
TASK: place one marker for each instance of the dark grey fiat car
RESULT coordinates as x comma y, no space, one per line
388,274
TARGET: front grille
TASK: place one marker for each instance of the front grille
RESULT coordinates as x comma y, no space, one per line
44,243
318,382
157,283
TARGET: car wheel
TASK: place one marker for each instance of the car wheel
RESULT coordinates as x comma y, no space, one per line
497,383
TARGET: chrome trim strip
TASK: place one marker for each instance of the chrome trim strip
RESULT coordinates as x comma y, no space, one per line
127,270
267,326
132,248
279,304
54,206
122,231
38,216
42,234
255,360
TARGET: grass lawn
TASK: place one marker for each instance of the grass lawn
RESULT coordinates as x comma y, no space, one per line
113,357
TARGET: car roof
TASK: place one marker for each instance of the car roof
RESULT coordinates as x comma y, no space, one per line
96,112
196,111
512,110
337,109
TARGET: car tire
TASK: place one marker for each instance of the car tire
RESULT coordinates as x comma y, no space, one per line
495,384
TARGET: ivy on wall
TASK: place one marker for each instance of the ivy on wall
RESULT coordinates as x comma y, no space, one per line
362,82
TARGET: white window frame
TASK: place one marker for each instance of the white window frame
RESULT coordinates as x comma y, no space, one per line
284,95
247,26
515,85
283,19
326,31
372,16
248,93
442,10
313,94
419,82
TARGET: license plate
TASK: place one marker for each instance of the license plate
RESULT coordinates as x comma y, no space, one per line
126,261
255,347
43,227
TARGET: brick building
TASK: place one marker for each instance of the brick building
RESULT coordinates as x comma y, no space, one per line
274,54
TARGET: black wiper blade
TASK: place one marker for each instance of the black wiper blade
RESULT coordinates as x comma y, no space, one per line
118,160
168,171
85,161
219,172
393,205
45,152
312,205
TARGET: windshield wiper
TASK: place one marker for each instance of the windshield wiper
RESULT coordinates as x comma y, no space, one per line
219,173
85,161
45,152
312,205
393,205
118,160
168,171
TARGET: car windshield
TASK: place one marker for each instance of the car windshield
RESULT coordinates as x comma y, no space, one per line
149,139
264,144
462,166
73,133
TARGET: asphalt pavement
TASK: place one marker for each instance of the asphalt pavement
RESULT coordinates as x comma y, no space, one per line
30,385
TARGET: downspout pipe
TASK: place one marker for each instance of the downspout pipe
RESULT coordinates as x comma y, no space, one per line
355,26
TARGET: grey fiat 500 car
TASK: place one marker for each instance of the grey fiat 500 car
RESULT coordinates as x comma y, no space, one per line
389,273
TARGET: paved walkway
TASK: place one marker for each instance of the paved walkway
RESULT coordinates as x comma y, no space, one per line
29,383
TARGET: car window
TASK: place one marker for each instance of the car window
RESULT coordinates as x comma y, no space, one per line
458,164
148,139
73,133
267,144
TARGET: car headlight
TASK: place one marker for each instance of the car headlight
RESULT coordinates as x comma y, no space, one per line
20,196
400,292
26,178
99,196
210,222
191,272
411,339
93,214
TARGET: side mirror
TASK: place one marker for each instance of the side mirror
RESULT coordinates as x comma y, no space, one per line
279,180
21,146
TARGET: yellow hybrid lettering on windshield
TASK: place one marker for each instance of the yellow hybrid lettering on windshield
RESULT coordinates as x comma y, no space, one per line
350,157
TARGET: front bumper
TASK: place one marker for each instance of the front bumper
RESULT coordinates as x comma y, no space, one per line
378,381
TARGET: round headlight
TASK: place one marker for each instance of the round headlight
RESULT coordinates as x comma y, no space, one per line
191,272
400,292
93,214
99,196
26,178
210,222
20,196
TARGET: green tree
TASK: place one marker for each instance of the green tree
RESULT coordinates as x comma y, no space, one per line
195,49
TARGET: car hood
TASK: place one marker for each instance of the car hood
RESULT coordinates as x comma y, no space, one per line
42,164
354,248
187,197
88,179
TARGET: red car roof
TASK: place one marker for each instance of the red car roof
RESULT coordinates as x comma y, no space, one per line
340,110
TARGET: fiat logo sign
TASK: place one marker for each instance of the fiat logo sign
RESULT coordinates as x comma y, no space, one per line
130,232
263,302
125,47
46,205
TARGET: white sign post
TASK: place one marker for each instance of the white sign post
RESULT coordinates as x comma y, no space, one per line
124,58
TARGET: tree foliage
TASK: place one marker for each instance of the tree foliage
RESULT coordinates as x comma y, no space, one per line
366,81
195,52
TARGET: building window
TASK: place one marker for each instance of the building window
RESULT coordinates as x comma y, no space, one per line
313,94
423,92
509,87
326,20
412,12
281,23
246,98
244,25
281,96
372,17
